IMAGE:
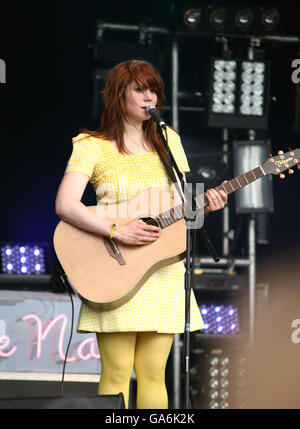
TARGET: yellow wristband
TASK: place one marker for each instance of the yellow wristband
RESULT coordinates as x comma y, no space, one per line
113,228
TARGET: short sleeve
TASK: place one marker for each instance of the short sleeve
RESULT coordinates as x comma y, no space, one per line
178,151
85,155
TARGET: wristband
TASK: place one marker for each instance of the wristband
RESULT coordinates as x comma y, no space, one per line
113,228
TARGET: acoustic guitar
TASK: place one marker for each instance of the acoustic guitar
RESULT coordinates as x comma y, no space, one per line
105,273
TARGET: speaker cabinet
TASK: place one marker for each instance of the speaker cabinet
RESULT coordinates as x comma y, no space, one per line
78,402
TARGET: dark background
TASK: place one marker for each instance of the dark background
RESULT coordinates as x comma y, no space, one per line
47,47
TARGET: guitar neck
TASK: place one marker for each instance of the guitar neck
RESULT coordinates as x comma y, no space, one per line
176,213
233,185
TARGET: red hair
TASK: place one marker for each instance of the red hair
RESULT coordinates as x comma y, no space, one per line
118,78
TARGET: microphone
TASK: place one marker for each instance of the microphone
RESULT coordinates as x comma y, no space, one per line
152,110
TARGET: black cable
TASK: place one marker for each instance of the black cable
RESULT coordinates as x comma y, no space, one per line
65,283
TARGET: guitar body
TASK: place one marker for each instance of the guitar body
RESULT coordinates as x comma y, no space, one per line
104,273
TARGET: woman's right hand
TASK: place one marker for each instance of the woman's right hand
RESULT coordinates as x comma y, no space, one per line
137,232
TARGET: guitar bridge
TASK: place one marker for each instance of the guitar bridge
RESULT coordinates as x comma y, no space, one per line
114,251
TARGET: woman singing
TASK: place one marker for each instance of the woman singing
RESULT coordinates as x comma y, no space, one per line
121,159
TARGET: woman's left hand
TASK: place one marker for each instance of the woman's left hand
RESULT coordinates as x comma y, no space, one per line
216,200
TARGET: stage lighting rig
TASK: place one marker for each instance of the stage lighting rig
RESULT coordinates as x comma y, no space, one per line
234,20
238,94
218,378
25,264
222,301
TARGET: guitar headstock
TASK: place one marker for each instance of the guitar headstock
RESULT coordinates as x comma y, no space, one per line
282,162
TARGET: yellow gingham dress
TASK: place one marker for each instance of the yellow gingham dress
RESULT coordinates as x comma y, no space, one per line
159,304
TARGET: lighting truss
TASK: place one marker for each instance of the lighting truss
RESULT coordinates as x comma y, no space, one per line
239,94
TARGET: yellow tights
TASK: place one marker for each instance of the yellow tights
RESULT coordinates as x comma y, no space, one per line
147,353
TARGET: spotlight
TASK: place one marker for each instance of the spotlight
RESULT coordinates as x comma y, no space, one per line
258,196
218,18
192,18
238,96
270,19
208,168
234,20
244,19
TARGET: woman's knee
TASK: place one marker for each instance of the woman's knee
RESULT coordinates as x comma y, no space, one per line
117,357
151,356
151,370
117,373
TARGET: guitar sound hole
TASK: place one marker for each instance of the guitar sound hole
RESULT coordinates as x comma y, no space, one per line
149,221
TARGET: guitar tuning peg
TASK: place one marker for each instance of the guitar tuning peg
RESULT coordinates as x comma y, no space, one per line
282,176
280,152
290,171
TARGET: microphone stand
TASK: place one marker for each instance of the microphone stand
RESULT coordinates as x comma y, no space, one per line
188,273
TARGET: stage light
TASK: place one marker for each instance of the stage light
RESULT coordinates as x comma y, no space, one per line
239,94
224,405
207,168
220,319
270,19
218,19
216,378
25,265
213,372
256,197
18,259
222,302
213,394
224,394
218,383
192,18
224,85
252,88
233,20
244,19
214,383
214,361
224,383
